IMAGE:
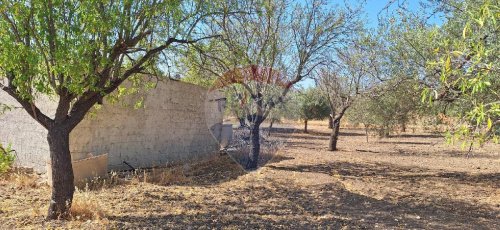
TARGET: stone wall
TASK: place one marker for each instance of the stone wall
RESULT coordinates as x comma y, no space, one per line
173,126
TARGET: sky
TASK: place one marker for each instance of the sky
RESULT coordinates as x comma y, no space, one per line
372,9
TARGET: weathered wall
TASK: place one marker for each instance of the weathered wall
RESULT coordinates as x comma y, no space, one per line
27,136
172,127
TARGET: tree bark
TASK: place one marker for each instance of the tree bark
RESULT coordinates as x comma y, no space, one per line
330,122
62,173
366,132
305,126
270,127
242,122
253,156
334,135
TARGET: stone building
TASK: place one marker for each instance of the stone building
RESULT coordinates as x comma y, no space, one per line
172,126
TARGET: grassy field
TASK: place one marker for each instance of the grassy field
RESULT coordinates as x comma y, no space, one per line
413,180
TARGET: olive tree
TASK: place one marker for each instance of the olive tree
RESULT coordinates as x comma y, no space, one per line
80,51
311,104
395,107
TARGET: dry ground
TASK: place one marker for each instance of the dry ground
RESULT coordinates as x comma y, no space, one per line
412,181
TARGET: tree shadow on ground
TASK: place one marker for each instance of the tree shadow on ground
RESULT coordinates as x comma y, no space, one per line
343,132
392,172
420,152
272,204
212,171
418,136
280,130
285,206
306,145
405,142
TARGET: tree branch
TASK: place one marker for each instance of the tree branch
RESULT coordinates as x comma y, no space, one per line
29,107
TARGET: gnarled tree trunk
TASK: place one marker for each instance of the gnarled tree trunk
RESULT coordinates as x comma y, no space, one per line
62,173
270,127
253,156
334,136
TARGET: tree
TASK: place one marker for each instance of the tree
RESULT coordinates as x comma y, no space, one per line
467,65
396,106
350,74
267,50
457,63
79,52
312,104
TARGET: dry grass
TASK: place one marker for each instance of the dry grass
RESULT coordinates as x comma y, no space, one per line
20,179
402,182
102,183
25,181
86,206
194,172
165,176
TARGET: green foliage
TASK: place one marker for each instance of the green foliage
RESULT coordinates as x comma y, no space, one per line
194,64
7,158
467,68
82,51
395,107
196,80
311,104
235,102
4,108
455,64
134,90
266,50
67,41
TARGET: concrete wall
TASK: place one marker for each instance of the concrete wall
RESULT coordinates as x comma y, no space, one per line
173,126
26,136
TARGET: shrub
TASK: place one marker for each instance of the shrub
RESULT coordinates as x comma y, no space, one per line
6,158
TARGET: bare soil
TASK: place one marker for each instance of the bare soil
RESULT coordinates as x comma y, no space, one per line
412,181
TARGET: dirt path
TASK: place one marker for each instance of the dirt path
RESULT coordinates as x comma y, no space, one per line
413,181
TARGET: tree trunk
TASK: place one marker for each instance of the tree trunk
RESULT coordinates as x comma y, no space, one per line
270,127
62,173
305,126
403,127
330,122
334,135
366,132
253,156
242,122
384,131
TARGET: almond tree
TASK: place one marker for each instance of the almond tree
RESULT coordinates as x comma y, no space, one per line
269,49
353,71
456,63
78,52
